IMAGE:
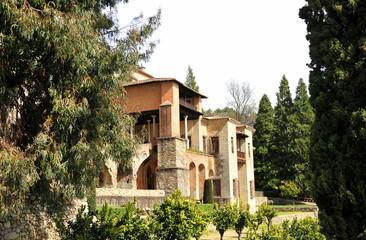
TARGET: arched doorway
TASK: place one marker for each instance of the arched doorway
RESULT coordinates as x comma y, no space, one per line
192,179
146,174
202,177
105,178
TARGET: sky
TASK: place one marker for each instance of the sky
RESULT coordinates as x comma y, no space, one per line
254,41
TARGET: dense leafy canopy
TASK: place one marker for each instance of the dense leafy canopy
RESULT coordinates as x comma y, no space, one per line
337,36
61,112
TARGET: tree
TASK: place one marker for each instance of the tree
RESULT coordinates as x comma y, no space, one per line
175,218
208,192
265,173
303,119
242,218
337,37
223,219
61,86
283,156
242,101
191,80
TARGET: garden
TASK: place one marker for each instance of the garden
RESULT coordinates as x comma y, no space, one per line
181,218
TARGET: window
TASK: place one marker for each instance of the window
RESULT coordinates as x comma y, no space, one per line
204,144
216,187
215,144
248,149
190,142
252,189
232,144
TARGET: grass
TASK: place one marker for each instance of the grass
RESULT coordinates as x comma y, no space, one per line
290,205
287,213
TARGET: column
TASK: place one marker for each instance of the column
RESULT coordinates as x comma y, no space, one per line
148,131
186,129
154,127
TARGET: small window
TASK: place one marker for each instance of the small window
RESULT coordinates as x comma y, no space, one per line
248,149
252,189
232,144
215,144
204,144
190,142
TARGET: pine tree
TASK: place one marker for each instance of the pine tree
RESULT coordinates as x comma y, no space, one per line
283,156
303,118
337,37
263,141
61,86
191,80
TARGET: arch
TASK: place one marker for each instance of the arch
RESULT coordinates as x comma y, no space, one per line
202,177
192,179
146,174
105,178
211,173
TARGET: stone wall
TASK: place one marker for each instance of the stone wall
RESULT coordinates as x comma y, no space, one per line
33,223
143,201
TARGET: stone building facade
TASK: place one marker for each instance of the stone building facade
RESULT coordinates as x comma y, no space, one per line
181,147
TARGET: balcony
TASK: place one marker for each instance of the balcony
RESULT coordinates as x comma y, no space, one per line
187,104
241,157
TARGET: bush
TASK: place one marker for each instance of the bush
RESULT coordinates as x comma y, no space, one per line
128,225
205,207
91,197
208,192
223,219
177,218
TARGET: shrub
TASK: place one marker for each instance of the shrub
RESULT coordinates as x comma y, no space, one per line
223,219
242,218
128,225
174,218
208,192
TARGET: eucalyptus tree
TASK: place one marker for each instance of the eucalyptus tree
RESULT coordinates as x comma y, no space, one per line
62,69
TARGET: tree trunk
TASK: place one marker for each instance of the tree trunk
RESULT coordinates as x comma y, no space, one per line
239,236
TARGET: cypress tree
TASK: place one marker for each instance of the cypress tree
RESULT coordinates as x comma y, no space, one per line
208,192
337,37
303,119
191,80
263,142
283,137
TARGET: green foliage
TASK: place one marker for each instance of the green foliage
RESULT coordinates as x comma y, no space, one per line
205,207
338,94
303,119
283,155
265,172
91,197
191,80
208,192
242,218
268,213
177,218
289,190
223,219
62,82
128,225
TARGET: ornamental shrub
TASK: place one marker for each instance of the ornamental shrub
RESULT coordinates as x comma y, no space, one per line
208,192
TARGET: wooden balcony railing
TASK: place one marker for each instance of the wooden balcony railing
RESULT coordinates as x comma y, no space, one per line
187,104
241,157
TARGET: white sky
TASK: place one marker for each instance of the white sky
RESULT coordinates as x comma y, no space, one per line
256,41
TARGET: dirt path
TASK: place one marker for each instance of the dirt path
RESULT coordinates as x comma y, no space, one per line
290,217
